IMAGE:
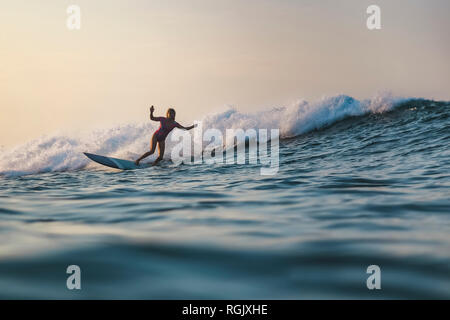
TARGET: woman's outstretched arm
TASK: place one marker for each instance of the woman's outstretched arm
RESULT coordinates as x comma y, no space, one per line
186,128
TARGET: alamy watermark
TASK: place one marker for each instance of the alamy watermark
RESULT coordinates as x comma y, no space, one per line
238,146
374,20
74,280
374,280
73,21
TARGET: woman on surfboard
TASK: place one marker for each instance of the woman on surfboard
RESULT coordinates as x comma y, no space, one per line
159,137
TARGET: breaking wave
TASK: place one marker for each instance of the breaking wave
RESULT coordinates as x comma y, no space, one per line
64,153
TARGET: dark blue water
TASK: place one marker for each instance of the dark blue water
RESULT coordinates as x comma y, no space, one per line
366,190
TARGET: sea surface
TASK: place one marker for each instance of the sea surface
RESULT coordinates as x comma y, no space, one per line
360,183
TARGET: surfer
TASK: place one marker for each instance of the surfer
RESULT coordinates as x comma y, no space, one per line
159,137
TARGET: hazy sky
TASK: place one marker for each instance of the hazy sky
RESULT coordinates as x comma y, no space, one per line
200,55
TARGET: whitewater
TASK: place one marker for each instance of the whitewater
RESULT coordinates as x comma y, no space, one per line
53,153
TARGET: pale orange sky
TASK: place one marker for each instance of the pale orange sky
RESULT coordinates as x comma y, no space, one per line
200,55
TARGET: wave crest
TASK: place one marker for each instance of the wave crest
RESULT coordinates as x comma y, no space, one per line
64,153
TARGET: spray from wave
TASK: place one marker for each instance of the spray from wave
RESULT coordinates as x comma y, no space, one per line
64,153
302,117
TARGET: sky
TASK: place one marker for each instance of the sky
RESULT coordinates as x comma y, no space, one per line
200,56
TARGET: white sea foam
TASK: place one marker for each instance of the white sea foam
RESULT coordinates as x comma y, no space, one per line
302,116
63,153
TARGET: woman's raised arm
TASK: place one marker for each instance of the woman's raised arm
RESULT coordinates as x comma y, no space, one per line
152,108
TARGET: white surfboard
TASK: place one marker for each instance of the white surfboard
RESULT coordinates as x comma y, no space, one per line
115,163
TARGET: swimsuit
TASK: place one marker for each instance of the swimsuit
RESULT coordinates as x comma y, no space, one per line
165,128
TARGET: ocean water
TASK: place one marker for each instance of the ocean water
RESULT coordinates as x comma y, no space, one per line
360,183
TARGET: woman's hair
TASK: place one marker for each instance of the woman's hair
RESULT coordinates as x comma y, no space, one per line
170,113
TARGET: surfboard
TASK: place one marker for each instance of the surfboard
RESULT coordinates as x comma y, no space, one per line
115,163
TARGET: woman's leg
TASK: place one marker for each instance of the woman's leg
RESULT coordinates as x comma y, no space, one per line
152,150
161,148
